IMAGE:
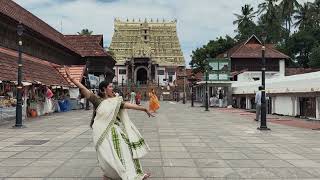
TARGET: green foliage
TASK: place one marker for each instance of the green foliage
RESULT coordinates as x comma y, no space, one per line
85,32
315,57
212,49
276,18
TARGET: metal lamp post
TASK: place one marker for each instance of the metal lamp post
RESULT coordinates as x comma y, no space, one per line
207,105
192,81
19,87
122,84
263,124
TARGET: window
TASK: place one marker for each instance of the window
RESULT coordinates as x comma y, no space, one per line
256,79
170,78
122,71
145,37
160,72
171,73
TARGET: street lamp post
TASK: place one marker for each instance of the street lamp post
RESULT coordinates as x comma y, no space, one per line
122,84
184,86
263,124
207,105
192,81
19,87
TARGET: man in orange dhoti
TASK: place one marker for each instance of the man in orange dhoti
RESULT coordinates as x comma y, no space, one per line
153,102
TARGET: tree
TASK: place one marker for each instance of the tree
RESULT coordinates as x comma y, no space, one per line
288,8
315,57
246,26
85,32
213,48
303,16
270,21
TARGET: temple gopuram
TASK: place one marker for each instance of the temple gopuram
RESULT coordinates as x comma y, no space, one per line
147,53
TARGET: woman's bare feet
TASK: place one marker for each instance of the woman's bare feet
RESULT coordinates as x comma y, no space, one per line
146,176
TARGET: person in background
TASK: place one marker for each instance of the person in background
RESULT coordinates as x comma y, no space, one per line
138,98
220,99
132,97
153,102
258,104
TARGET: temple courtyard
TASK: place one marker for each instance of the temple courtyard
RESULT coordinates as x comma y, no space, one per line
186,143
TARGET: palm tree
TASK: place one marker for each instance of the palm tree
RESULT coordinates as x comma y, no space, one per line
267,7
303,16
245,22
246,16
288,8
85,32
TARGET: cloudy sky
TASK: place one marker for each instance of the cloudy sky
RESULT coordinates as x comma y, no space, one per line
198,20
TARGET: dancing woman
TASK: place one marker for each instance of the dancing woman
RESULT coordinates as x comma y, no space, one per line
118,143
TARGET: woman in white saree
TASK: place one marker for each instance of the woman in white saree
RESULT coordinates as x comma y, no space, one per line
118,143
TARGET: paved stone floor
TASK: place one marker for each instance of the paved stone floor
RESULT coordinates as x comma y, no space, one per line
187,143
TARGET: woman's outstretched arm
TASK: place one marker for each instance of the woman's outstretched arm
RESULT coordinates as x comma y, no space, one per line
84,91
127,105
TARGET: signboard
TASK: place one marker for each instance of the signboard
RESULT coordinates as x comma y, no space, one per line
220,69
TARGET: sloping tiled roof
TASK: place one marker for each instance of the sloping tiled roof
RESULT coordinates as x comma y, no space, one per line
34,69
87,45
19,14
252,49
76,72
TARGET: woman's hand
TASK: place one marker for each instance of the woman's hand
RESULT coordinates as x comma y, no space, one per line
149,113
67,70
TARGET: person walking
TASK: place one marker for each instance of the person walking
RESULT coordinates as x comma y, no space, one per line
132,97
220,99
258,104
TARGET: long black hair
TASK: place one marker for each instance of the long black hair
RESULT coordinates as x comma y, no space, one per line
102,95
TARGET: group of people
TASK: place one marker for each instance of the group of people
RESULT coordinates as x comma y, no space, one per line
217,100
117,141
135,98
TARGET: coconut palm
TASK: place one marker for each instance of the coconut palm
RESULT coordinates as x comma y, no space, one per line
303,16
288,8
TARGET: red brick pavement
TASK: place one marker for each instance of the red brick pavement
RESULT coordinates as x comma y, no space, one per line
288,121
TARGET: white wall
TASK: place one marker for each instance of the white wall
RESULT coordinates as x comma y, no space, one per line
284,105
250,75
161,77
118,77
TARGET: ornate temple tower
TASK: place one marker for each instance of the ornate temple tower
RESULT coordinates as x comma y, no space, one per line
146,52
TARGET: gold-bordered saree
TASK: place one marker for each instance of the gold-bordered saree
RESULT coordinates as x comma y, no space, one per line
118,143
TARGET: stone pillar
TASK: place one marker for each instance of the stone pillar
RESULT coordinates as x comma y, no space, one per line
248,102
318,108
294,105
282,67
149,71
229,95
132,75
274,104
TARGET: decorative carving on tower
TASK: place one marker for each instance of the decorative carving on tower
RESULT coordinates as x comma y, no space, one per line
147,39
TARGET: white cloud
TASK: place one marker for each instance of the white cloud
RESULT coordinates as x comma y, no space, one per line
198,20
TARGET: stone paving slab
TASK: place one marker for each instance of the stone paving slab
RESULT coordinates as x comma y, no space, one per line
186,144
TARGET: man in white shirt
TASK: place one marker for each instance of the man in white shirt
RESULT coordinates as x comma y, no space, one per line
258,104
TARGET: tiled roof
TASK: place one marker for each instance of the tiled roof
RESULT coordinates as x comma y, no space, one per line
197,76
19,14
34,69
252,49
76,72
87,45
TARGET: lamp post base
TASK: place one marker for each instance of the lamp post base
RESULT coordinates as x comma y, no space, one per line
263,128
19,126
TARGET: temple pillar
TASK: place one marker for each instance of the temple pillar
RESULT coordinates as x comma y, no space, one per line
132,75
